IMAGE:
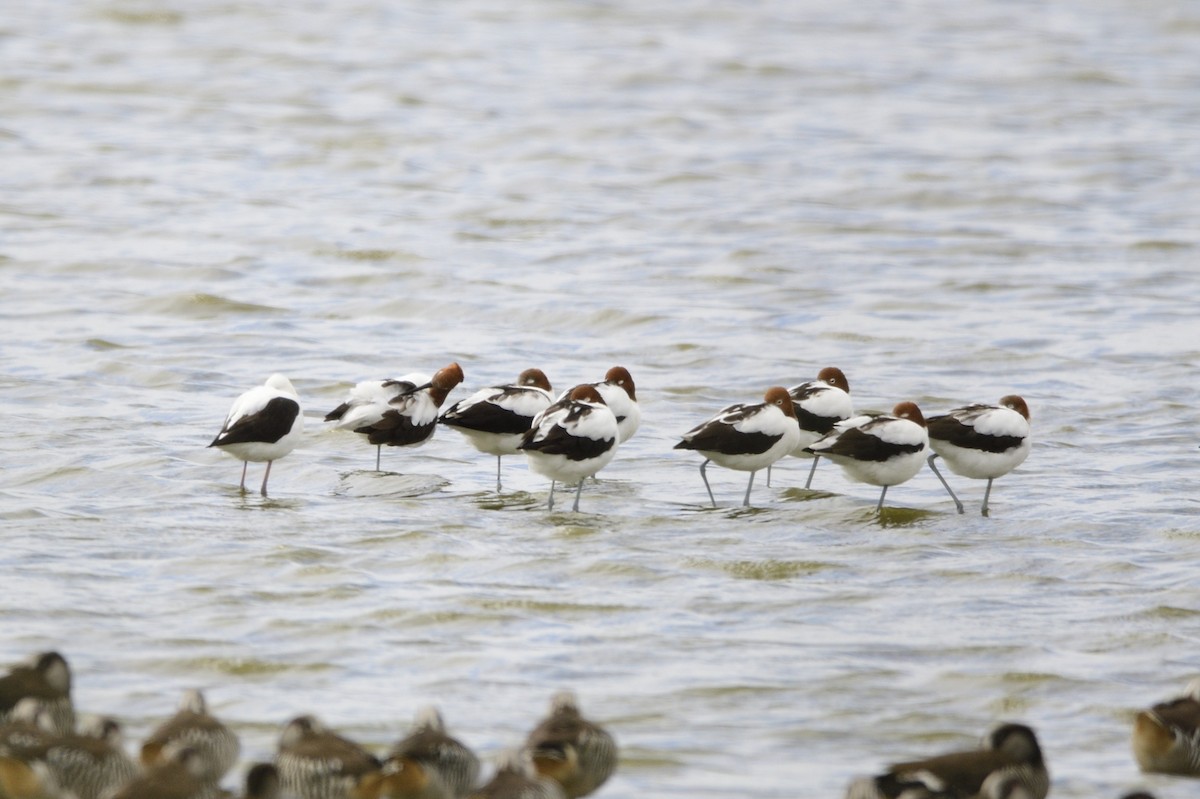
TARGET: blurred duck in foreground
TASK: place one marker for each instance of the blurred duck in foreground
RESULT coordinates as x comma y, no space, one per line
177,773
47,678
516,778
578,754
1008,765
427,763
316,763
216,747
1166,738
88,764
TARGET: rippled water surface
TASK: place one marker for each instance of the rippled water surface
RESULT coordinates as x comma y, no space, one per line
951,201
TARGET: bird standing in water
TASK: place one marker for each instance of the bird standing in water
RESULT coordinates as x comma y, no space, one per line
264,424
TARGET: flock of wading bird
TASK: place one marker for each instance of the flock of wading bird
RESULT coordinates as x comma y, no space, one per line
44,754
574,436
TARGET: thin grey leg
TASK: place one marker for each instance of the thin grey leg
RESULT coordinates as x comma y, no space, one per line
243,485
578,491
882,494
497,474
812,471
749,485
987,494
768,475
378,449
950,491
704,477
550,505
263,490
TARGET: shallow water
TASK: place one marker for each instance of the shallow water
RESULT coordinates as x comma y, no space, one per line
951,201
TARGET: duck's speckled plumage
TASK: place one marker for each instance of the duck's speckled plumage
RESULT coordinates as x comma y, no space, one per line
317,763
429,744
1166,737
216,746
578,754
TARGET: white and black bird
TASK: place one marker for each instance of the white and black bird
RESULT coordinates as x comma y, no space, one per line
572,439
495,420
1009,751
746,437
620,394
578,754
264,424
400,412
819,404
980,441
885,450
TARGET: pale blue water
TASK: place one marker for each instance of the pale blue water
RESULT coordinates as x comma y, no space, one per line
951,201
